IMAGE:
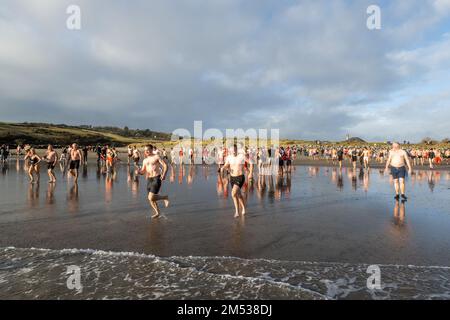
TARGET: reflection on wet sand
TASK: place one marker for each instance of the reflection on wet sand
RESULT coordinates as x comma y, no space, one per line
315,213
237,236
156,236
73,199
50,197
33,195
5,168
260,187
399,213
133,182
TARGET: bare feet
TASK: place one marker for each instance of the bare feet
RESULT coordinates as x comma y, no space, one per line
243,211
156,215
166,203
236,215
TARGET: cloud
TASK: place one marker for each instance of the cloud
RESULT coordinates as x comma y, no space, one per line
310,68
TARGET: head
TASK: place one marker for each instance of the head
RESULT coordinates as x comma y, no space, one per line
395,146
74,146
50,147
148,150
32,151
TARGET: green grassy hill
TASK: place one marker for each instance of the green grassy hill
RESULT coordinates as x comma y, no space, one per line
42,134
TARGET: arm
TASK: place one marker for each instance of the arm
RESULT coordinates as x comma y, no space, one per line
143,170
225,166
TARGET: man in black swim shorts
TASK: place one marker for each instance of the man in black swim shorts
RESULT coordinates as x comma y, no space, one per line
151,167
238,181
75,160
235,164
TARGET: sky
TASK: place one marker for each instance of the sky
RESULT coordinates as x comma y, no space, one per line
311,69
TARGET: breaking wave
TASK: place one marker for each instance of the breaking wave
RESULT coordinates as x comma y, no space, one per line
30,273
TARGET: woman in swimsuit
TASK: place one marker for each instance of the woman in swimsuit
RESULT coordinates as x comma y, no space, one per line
34,160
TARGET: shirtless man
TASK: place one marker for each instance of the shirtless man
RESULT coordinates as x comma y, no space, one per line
75,160
235,164
19,150
151,167
397,160
52,158
366,157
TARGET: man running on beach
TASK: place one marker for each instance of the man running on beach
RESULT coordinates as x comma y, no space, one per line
151,166
75,160
397,160
235,164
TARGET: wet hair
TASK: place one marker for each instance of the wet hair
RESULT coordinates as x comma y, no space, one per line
149,147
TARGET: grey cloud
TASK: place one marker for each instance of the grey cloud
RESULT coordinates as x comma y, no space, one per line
310,68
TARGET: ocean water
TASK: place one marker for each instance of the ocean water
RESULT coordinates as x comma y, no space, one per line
43,274
311,235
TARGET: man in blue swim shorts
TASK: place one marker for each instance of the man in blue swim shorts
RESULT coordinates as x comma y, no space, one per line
397,161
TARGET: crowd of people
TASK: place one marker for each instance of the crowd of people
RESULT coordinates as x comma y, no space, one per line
235,164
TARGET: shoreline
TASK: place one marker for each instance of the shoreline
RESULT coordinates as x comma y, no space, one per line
122,156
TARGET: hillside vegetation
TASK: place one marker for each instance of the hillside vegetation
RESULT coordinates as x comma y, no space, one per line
43,133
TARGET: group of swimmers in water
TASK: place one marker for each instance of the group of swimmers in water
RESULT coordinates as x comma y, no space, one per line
235,163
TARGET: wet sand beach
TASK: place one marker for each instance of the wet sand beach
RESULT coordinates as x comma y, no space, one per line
318,215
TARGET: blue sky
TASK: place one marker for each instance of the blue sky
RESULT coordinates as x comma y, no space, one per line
310,68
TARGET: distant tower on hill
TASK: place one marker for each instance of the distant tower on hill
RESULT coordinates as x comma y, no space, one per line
348,137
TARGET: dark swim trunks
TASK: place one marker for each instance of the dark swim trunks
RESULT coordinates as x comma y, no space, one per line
239,181
74,164
51,166
154,184
398,173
